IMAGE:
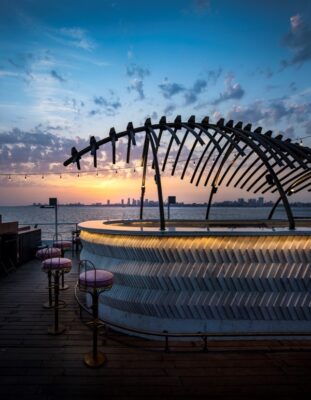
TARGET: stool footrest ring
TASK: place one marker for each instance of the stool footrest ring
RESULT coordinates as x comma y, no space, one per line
53,331
92,362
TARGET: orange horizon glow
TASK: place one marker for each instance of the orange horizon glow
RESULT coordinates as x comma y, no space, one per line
90,189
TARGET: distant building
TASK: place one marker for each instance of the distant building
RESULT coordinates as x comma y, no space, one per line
122,202
252,202
108,202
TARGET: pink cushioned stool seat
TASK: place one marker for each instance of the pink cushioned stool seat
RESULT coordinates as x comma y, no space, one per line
98,278
43,254
57,263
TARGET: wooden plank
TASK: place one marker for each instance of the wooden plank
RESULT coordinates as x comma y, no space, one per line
35,365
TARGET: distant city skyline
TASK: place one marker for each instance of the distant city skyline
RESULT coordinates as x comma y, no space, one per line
73,69
252,202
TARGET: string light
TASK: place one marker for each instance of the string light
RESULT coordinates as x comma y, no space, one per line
97,172
301,139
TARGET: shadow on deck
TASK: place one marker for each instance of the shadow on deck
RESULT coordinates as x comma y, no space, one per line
34,365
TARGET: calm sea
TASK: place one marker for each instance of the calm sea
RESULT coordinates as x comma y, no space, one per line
68,217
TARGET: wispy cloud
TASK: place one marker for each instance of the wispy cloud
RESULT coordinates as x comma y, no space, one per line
267,72
33,150
5,74
57,76
78,37
170,89
191,95
298,39
213,75
72,37
107,106
137,71
137,75
201,6
273,112
137,85
169,109
232,90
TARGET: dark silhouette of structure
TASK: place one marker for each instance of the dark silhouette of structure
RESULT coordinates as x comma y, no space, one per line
229,154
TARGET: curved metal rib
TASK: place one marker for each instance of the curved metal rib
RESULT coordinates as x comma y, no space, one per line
286,164
200,159
215,180
272,173
246,158
215,163
131,140
227,137
230,166
289,189
207,160
190,155
179,151
172,138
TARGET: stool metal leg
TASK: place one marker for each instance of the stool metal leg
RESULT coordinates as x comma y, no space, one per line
95,358
50,303
57,329
63,285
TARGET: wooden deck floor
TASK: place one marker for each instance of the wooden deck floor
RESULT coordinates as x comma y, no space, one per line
34,365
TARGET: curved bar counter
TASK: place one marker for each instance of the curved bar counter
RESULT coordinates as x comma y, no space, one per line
197,277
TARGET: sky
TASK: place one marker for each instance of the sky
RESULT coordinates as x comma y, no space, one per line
74,69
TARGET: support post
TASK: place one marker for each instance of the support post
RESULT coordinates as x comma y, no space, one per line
158,182
213,191
143,183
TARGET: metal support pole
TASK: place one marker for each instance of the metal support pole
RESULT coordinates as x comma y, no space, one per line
95,326
158,182
50,303
50,288
57,329
56,222
56,288
274,207
143,183
95,358
213,191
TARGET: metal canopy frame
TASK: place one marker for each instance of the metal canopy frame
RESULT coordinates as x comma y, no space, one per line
223,153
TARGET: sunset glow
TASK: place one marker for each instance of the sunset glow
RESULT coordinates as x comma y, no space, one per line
74,69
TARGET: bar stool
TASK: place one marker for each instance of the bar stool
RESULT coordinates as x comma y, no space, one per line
56,266
63,245
43,254
94,281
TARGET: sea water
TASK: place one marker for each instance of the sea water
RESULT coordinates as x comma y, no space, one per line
70,216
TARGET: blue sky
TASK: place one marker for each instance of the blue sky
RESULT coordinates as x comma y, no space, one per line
71,69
